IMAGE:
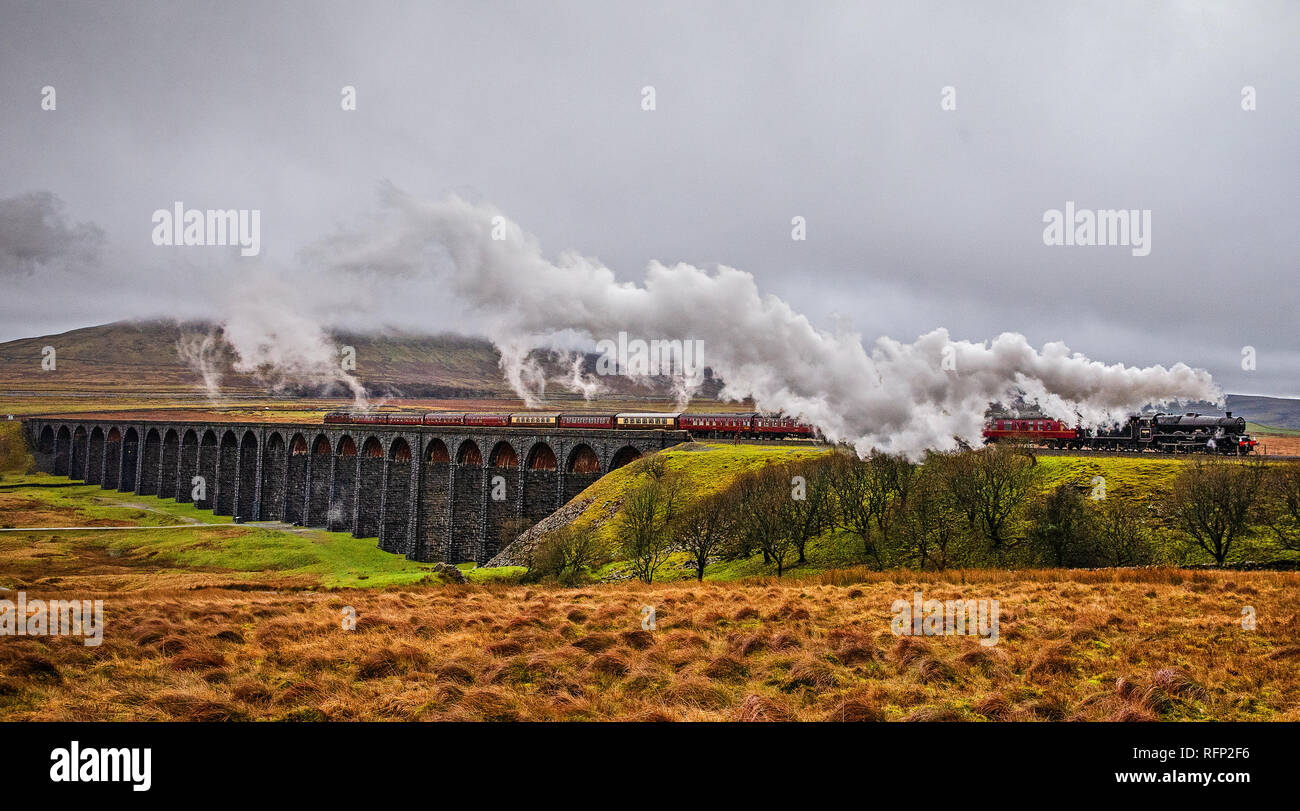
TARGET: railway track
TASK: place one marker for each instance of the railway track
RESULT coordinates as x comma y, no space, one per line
1181,457
1082,452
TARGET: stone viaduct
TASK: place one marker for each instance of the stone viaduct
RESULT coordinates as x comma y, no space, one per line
452,494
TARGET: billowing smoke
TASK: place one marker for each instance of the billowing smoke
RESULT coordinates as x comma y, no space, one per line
202,352
35,234
892,396
415,262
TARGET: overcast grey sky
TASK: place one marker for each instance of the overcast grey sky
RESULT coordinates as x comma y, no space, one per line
917,217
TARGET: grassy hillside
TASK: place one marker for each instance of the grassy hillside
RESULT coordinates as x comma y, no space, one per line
1142,481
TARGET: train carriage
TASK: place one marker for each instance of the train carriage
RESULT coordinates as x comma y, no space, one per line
718,425
779,427
444,418
486,419
1029,429
532,419
651,420
586,421
405,418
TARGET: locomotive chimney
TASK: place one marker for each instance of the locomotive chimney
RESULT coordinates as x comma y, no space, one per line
1227,413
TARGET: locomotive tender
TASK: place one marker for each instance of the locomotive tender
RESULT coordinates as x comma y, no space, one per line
737,425
1165,433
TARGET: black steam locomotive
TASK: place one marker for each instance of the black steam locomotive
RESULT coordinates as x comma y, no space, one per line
1166,433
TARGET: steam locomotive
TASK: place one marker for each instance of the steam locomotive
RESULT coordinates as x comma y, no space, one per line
751,425
1166,433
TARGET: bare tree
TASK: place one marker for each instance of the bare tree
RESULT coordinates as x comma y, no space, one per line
1282,508
701,531
870,495
1062,526
989,486
645,522
1125,538
1211,502
810,511
930,524
761,506
566,553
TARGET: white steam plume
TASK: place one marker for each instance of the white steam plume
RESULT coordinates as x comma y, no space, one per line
894,396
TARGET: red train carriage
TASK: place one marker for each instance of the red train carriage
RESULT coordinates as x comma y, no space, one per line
1029,429
488,420
771,427
405,418
586,421
366,418
717,425
444,418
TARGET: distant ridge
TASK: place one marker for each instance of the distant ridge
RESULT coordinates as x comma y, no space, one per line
142,356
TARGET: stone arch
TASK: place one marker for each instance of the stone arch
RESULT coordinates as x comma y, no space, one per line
150,463
393,535
582,469
623,456
62,450
273,468
469,455
370,488
169,481
582,459
343,504
295,491
320,476
227,473
504,455
400,450
45,448
436,452
246,476
207,469
95,456
187,467
542,457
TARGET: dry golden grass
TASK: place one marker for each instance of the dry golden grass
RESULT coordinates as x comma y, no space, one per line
1104,645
